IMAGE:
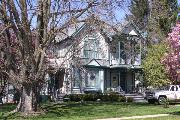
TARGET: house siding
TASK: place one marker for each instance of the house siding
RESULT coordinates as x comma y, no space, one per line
110,69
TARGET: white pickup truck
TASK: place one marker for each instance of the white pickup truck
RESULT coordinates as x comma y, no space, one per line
170,93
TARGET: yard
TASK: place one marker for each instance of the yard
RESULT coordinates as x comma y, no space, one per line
90,111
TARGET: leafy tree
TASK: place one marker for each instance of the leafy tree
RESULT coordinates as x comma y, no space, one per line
154,71
140,11
162,17
154,17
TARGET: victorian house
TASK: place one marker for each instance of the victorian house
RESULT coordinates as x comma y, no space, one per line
96,57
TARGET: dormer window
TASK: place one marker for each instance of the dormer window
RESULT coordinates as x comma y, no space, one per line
91,45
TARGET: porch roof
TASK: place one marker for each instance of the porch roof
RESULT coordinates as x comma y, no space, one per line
130,66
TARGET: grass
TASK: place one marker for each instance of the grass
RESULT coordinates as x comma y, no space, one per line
6,108
90,111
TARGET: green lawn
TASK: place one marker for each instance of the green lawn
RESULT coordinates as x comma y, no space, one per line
6,108
90,111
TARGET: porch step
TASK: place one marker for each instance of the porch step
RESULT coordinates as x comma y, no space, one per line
136,97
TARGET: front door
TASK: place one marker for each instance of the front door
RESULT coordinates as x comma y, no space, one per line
123,81
114,80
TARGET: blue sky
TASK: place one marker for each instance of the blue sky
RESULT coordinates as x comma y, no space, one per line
120,13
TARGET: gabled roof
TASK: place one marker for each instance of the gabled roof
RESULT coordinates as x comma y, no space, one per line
133,33
93,62
127,28
130,29
91,23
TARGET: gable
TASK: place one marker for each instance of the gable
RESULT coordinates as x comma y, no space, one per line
133,33
93,63
130,30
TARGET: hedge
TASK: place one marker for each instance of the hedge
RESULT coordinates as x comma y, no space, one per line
114,97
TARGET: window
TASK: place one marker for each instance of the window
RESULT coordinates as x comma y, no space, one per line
61,52
91,45
92,77
122,53
172,88
176,88
77,78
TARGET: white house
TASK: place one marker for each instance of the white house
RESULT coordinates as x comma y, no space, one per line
96,58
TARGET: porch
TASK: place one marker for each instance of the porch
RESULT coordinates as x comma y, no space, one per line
124,77
95,79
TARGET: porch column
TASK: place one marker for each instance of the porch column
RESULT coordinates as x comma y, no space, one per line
119,78
101,77
119,44
110,82
133,80
140,51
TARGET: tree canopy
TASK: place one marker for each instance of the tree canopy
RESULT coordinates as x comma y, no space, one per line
154,71
171,59
140,11
160,16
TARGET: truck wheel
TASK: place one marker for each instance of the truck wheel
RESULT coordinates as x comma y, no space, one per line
162,100
150,101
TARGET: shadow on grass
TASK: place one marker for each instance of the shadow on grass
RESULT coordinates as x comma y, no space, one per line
175,113
73,104
7,107
84,109
4,109
67,109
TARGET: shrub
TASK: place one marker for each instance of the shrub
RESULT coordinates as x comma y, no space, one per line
129,99
91,97
113,96
108,91
88,97
75,97
122,99
105,97
166,103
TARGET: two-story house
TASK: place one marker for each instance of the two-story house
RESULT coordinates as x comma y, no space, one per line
96,58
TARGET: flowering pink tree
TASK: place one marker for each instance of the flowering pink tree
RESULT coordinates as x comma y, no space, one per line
171,60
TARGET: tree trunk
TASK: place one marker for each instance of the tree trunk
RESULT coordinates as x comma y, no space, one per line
28,103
